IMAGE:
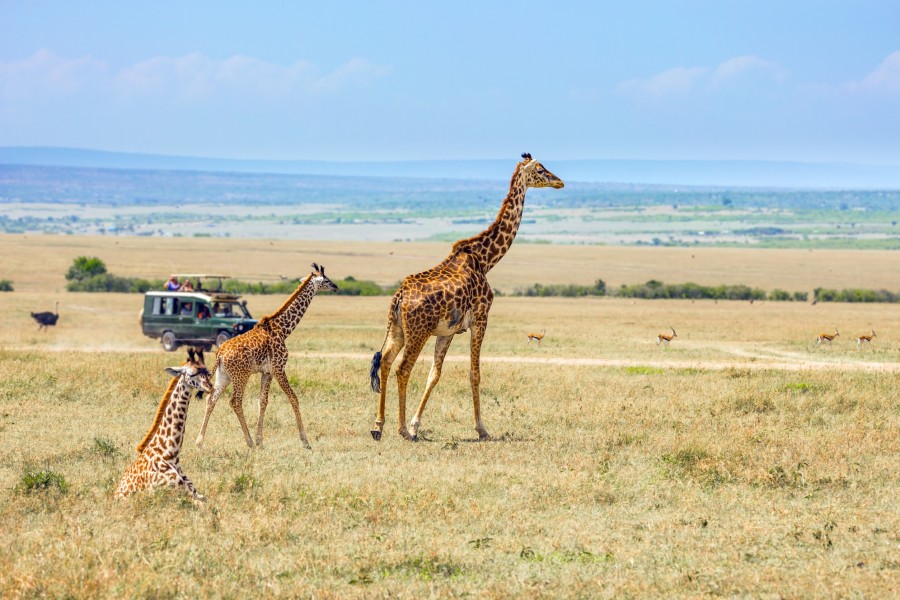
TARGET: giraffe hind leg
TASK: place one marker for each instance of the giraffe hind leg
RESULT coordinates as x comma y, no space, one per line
222,381
391,350
237,404
410,354
264,382
440,352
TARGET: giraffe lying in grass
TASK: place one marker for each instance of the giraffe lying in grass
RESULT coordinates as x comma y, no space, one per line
159,463
263,350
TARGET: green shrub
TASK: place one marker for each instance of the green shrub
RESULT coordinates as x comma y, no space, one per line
6,285
43,481
85,267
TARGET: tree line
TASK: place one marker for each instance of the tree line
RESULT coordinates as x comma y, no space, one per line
89,274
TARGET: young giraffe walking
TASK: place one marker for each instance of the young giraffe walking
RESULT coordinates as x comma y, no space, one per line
263,350
449,299
159,463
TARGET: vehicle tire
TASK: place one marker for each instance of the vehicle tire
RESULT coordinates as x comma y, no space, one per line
222,338
169,343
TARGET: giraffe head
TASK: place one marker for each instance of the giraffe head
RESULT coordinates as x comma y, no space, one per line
194,371
320,280
536,176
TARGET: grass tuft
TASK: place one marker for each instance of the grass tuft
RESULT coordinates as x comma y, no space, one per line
45,480
105,446
244,483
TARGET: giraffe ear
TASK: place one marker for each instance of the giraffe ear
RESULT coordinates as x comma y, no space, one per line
173,371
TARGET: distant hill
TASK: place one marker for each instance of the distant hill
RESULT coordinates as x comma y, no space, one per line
654,172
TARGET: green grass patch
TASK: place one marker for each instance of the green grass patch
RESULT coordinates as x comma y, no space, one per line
644,370
45,480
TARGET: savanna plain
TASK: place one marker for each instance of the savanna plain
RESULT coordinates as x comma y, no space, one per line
741,460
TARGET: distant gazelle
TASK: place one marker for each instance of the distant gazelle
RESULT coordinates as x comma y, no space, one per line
827,337
665,337
865,339
536,336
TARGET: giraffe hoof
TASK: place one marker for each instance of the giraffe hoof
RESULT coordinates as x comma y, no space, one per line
376,435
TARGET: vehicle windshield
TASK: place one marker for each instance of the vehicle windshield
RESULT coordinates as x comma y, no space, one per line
230,310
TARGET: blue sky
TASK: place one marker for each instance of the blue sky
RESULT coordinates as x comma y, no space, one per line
803,81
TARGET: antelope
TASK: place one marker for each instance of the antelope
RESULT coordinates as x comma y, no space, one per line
865,339
536,336
827,337
665,337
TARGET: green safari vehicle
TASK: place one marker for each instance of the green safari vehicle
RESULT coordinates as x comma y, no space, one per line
200,317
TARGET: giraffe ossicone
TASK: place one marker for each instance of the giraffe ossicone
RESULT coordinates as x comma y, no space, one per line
159,462
263,350
449,299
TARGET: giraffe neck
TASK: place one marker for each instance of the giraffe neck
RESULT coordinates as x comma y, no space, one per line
288,316
489,246
165,438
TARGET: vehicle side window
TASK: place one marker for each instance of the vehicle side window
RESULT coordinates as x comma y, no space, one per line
170,306
157,306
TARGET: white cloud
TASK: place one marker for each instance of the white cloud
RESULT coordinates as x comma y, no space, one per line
678,81
682,81
884,79
193,77
46,74
744,65
197,77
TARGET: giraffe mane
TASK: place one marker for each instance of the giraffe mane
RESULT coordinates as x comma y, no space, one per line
265,320
461,244
159,414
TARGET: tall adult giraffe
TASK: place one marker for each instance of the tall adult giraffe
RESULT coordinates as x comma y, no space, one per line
449,299
263,350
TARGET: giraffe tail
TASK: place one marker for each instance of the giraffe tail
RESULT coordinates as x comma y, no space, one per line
374,378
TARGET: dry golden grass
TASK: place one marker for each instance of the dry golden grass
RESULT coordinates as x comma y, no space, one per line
741,461
39,262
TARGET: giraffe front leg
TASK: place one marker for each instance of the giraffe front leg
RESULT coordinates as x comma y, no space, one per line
295,404
410,354
475,376
441,345
264,383
173,476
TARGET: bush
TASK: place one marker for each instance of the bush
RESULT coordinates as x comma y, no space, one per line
855,295
43,481
112,283
777,295
564,290
85,268
6,285
654,289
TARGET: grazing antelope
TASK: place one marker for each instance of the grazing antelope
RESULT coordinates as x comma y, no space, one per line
865,339
827,337
536,336
665,337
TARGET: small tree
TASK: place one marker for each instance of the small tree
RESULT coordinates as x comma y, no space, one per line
6,285
85,268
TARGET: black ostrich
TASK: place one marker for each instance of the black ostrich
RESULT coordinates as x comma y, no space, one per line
46,319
